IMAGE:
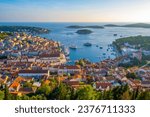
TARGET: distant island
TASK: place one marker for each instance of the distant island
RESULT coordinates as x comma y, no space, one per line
136,25
84,31
27,29
77,27
111,25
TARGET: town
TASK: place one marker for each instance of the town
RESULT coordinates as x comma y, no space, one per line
28,63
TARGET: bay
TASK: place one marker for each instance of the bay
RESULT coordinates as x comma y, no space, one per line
99,38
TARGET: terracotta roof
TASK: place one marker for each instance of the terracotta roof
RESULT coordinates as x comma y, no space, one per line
47,82
26,90
3,77
110,78
71,82
145,82
136,81
33,71
50,55
103,84
19,79
69,67
14,85
23,63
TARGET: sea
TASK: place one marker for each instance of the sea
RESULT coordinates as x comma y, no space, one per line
100,38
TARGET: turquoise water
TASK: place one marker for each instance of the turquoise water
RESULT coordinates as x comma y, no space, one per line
99,37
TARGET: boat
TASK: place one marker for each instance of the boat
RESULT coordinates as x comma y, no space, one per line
101,47
66,51
112,53
104,53
68,58
87,44
73,47
115,34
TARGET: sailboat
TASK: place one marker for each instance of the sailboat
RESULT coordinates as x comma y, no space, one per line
73,47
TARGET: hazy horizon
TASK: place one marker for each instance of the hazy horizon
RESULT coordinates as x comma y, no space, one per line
76,11
64,22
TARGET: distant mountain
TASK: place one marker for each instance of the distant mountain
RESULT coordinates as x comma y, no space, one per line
77,27
138,25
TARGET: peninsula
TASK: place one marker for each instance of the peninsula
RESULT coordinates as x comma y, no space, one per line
135,48
26,29
135,42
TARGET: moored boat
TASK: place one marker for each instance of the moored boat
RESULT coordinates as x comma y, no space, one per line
115,34
66,51
73,47
100,47
87,44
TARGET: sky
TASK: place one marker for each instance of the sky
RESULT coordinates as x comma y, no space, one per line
74,10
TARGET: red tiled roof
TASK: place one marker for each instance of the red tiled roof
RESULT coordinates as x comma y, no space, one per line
14,85
103,84
50,55
71,82
146,82
26,90
69,67
33,71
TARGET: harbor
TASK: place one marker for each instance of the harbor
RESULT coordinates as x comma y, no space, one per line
101,39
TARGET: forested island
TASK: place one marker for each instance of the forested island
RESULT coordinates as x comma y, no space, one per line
136,25
78,27
27,29
111,25
84,31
